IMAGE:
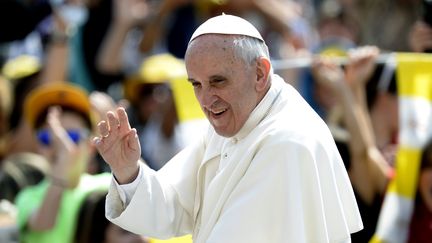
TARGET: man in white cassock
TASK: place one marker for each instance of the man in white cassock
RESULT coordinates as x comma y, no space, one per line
266,171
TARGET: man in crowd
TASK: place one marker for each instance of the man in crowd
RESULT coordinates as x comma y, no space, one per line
267,170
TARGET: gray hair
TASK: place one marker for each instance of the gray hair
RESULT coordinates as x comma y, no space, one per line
249,49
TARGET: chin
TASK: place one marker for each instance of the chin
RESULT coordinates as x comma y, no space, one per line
223,133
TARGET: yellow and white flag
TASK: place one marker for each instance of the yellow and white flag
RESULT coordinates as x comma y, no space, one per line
183,239
414,82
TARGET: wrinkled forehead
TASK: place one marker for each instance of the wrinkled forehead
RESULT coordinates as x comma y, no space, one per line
211,48
211,44
212,39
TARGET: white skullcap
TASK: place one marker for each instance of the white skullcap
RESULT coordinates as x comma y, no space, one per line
227,25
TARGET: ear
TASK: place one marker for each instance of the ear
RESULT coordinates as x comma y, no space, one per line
262,73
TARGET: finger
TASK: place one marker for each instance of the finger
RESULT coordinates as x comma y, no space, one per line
133,141
113,123
106,135
103,129
96,142
59,135
123,103
124,125
53,117
99,144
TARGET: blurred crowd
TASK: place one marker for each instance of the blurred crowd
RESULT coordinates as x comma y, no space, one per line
65,63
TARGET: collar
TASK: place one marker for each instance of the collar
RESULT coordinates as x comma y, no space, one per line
262,109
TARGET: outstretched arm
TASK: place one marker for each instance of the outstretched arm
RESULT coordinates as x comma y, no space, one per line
367,162
127,14
119,146
65,173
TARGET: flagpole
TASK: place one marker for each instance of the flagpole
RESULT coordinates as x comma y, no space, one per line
304,62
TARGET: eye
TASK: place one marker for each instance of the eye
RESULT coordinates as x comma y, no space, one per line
196,84
217,80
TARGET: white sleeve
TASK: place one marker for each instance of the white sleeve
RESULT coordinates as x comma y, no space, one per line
158,204
126,191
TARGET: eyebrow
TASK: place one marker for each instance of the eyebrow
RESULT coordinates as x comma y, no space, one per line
211,78
217,76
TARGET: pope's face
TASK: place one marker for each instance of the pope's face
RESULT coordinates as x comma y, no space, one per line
224,85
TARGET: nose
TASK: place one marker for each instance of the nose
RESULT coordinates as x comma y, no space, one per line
208,101
207,98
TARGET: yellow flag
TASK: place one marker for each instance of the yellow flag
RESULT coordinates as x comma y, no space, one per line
414,81
187,105
183,239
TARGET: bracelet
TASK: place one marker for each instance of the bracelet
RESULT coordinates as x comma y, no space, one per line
58,182
62,37
59,37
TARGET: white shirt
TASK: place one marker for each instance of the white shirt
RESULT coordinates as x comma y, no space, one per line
280,179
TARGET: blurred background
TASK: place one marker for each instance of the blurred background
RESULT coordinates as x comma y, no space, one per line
363,65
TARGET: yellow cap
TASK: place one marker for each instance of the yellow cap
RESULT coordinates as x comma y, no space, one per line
61,94
21,66
161,68
5,96
333,51
157,69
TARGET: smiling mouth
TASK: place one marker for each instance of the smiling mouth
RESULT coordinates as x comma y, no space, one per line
218,113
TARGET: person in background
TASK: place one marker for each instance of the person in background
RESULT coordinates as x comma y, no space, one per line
93,227
23,73
17,172
21,170
153,110
267,170
368,170
395,20
420,35
420,228
338,33
61,119
5,109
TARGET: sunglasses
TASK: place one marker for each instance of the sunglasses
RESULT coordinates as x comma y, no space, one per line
76,135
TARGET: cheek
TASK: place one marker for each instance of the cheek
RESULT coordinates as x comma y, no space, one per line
198,97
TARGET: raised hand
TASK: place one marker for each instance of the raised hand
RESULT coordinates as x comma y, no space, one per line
361,65
328,73
420,37
69,158
119,146
130,12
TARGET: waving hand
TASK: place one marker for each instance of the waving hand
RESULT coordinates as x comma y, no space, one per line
119,146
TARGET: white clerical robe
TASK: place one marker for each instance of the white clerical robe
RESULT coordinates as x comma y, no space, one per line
280,179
